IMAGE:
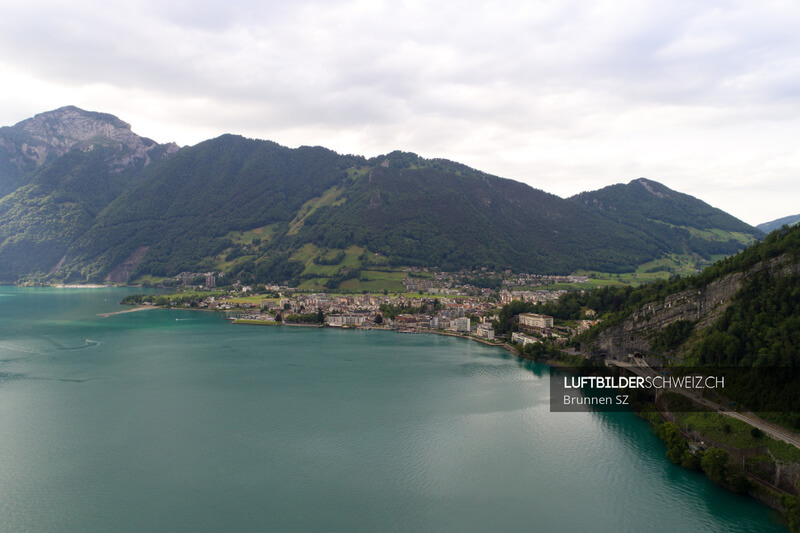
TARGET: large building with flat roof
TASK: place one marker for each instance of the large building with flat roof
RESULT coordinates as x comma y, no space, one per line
345,320
534,321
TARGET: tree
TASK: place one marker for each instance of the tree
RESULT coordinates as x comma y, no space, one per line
714,463
676,444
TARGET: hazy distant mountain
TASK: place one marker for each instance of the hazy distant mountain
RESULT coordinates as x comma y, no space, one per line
791,220
83,198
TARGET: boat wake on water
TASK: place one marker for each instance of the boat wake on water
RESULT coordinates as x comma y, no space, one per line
89,343
20,349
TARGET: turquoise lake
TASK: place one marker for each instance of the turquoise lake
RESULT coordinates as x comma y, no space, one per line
180,421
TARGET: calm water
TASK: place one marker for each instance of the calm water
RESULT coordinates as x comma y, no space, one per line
177,420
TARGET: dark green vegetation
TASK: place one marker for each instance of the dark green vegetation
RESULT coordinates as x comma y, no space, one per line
753,474
611,303
305,318
761,328
672,220
791,220
107,205
765,302
715,462
758,328
175,300
672,336
428,306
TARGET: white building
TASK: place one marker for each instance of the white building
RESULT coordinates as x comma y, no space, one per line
523,339
485,330
532,320
461,324
345,320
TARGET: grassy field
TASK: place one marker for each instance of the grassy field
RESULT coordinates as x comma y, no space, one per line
665,267
713,234
358,172
721,235
376,281
313,285
220,263
383,275
256,322
377,285
329,197
193,294
308,252
589,285
255,299
265,233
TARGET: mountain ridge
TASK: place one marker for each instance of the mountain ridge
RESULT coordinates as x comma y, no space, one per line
109,193
772,225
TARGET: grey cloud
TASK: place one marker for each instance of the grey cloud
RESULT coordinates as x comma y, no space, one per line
503,82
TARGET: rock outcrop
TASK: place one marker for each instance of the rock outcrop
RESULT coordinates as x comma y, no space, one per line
122,272
45,136
702,306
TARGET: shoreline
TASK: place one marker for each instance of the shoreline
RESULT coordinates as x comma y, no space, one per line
504,345
76,286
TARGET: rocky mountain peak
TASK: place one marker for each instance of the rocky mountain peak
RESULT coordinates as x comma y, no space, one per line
64,127
56,132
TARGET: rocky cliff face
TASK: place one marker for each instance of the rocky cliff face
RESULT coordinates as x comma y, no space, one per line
702,306
47,135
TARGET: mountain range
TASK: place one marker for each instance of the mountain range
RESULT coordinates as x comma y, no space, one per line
791,220
83,198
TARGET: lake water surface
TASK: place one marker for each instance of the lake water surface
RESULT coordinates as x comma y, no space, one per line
179,421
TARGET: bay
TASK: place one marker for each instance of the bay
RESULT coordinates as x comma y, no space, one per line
169,420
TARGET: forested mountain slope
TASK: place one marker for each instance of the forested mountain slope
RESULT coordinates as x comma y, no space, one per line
673,220
58,170
84,198
743,311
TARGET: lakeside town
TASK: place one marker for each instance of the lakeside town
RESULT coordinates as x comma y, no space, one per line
440,303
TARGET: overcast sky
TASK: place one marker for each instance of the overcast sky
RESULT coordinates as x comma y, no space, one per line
564,95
